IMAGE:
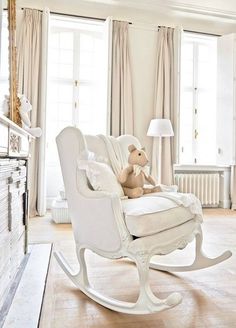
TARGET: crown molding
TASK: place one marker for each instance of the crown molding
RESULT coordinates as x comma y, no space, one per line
156,5
201,10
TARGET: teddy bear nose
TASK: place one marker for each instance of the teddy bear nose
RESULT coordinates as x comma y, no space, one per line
139,154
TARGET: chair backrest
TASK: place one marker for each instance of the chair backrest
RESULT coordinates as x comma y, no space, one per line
70,143
105,235
97,146
126,140
87,230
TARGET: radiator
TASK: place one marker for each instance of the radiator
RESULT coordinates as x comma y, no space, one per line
206,186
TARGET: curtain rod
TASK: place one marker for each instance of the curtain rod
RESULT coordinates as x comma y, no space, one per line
71,15
197,32
78,16
205,33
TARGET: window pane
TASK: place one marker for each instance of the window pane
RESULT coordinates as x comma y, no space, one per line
65,93
198,99
61,55
86,42
65,113
186,127
91,57
66,57
206,143
76,53
187,64
92,109
59,114
206,75
66,40
66,71
187,51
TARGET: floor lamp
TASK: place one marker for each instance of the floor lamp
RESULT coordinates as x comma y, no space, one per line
160,128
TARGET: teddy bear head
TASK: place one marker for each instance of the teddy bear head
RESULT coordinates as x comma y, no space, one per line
26,106
137,156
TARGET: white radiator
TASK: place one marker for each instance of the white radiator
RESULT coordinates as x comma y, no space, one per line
206,186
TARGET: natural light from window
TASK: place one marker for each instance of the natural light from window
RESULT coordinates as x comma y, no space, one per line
76,85
197,138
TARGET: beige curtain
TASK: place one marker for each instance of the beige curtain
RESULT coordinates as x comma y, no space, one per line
31,50
233,187
166,98
121,87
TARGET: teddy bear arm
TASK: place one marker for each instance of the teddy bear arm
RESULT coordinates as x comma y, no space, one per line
151,180
25,118
124,174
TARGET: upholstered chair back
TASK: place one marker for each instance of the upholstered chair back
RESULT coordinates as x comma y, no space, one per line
96,145
126,140
71,144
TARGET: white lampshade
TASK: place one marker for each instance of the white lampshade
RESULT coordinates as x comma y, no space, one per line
160,128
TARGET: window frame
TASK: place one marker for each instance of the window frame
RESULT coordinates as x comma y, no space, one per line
74,82
196,39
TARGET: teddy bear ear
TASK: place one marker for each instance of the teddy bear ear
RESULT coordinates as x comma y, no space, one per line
131,148
143,148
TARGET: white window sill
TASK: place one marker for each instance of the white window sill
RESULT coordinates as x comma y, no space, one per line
197,167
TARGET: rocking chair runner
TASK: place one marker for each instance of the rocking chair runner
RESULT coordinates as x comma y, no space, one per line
99,225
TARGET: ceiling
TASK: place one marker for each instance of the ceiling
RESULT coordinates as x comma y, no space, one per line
218,8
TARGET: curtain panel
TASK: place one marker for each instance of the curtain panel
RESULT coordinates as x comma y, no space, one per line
121,112
166,98
233,187
32,82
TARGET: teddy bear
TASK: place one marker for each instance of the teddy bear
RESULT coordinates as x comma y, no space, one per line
25,108
133,177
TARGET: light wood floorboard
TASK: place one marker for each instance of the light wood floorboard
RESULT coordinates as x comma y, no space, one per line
209,294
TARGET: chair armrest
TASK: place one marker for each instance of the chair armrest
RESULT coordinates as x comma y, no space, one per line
88,193
99,221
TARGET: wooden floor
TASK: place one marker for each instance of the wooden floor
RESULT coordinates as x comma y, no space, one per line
209,294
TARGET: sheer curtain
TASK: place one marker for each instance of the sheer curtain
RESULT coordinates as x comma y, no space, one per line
167,98
32,80
121,116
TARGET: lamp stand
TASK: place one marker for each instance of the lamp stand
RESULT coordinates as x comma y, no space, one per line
159,160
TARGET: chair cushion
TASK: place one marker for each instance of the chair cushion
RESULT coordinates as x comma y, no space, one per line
101,176
166,241
146,216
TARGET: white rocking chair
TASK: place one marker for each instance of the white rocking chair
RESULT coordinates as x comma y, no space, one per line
99,225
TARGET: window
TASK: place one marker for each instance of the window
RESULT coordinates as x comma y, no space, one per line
4,69
197,130
76,85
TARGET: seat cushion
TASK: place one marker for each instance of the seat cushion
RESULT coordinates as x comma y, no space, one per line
166,241
146,216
